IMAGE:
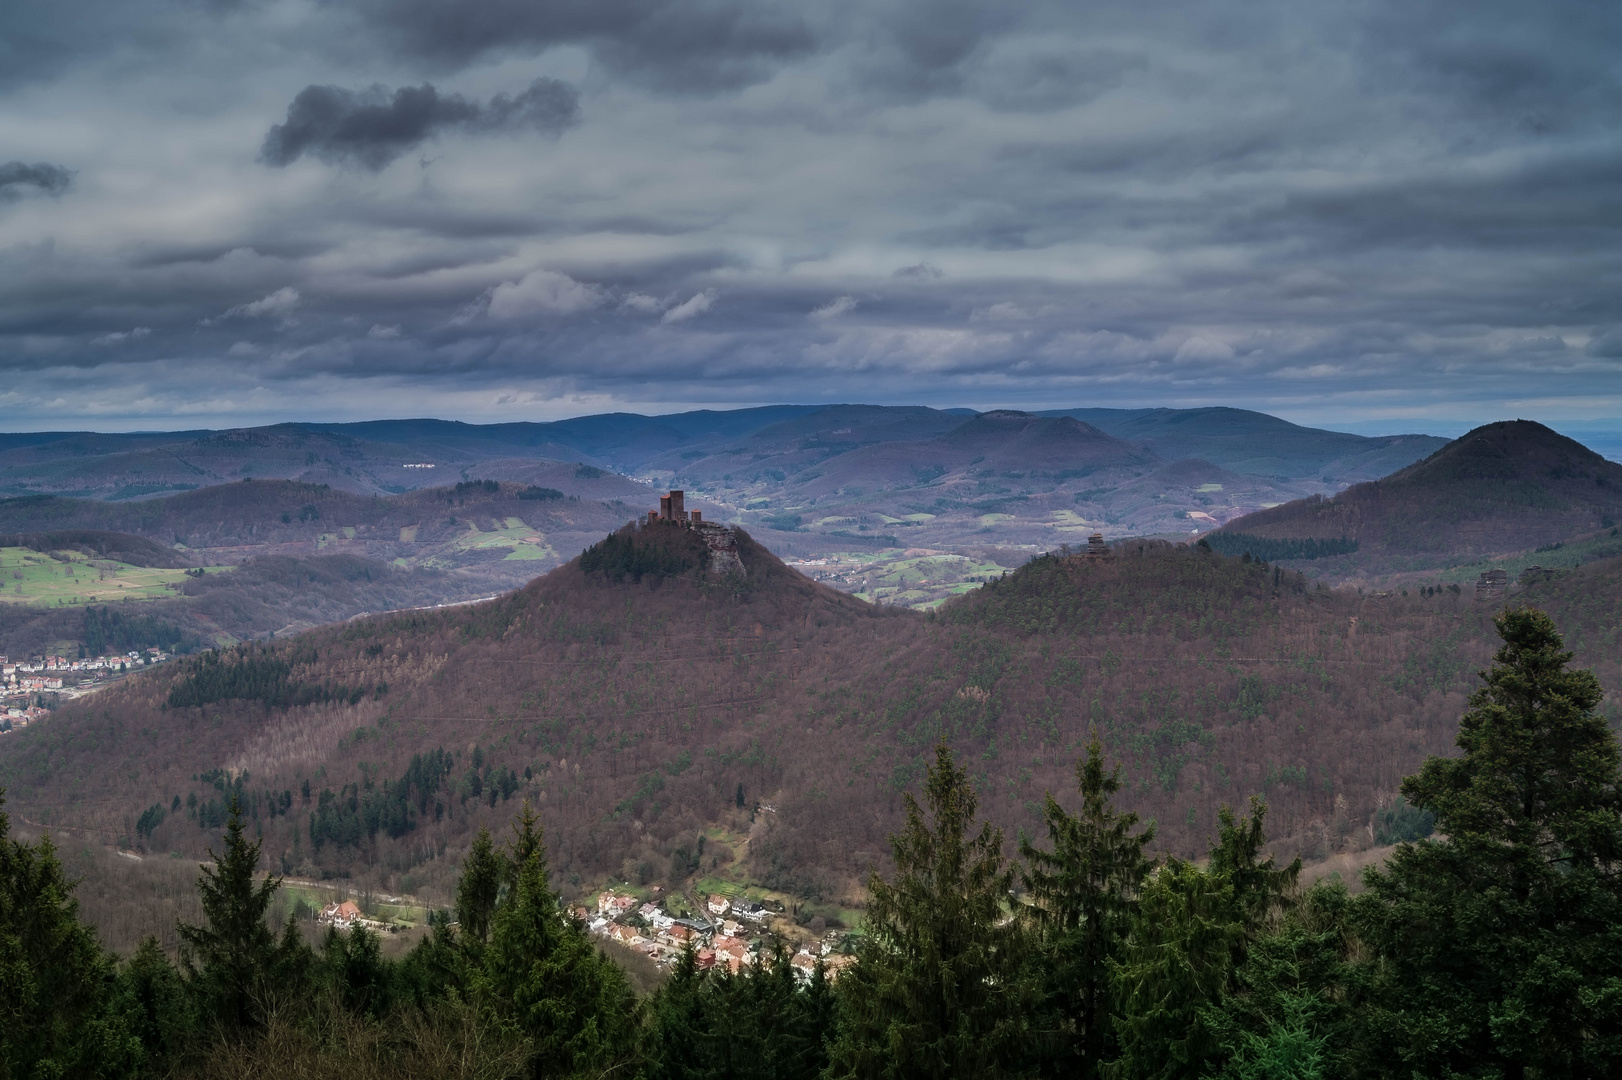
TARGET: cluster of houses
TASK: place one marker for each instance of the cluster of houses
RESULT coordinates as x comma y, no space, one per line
729,935
51,672
22,680
47,668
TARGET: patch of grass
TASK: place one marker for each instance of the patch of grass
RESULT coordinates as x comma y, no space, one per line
63,578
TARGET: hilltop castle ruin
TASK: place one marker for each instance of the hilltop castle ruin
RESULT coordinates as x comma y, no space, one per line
720,540
672,507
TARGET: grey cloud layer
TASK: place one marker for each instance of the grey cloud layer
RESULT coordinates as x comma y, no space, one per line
1371,207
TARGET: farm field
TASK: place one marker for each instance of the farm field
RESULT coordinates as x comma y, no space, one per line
69,577
404,912
922,578
520,541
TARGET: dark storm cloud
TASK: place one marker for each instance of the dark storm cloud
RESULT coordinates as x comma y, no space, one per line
371,127
17,176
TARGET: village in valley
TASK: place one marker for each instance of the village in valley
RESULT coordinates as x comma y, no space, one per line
25,684
725,932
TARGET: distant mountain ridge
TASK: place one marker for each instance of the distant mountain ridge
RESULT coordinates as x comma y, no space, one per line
1255,443
374,455
809,479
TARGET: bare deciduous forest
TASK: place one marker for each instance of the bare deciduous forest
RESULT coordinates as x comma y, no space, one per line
636,714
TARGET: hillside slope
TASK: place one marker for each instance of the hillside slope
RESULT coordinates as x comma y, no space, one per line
446,528
1505,487
303,554
632,711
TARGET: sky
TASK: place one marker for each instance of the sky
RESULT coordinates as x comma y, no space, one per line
1370,214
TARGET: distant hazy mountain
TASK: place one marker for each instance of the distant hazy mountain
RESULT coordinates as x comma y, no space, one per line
808,478
1505,487
1259,444
388,455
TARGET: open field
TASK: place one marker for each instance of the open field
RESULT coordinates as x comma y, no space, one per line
70,577
403,912
922,578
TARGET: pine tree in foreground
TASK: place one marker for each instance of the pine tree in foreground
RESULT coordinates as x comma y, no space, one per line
937,991
233,962
479,888
54,977
1190,939
1499,945
1082,895
545,979
758,1024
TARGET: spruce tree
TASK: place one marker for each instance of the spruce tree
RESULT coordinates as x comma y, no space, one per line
771,1029
233,961
352,965
480,888
437,968
936,991
1289,1010
760,1024
153,1001
1177,963
54,978
546,980
1498,944
679,1041
1081,897
1191,935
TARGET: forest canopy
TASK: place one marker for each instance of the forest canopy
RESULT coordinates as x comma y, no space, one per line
1088,958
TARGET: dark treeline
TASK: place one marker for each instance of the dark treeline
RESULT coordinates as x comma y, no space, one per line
1270,549
108,630
636,552
1489,950
251,673
361,811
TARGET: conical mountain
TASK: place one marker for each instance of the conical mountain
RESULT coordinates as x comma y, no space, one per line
1503,487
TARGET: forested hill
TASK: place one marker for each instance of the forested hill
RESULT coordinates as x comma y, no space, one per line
638,713
1506,487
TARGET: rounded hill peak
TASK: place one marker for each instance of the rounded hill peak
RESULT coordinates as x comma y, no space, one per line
1052,442
1510,450
1509,486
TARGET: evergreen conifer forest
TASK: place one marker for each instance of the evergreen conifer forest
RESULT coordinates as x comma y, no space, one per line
1489,949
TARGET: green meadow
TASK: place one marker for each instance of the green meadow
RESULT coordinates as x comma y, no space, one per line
69,577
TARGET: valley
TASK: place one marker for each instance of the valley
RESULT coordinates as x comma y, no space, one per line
631,713
867,486
393,671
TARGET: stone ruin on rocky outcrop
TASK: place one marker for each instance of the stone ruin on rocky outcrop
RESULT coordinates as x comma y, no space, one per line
720,540
1095,551
1492,585
1535,574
